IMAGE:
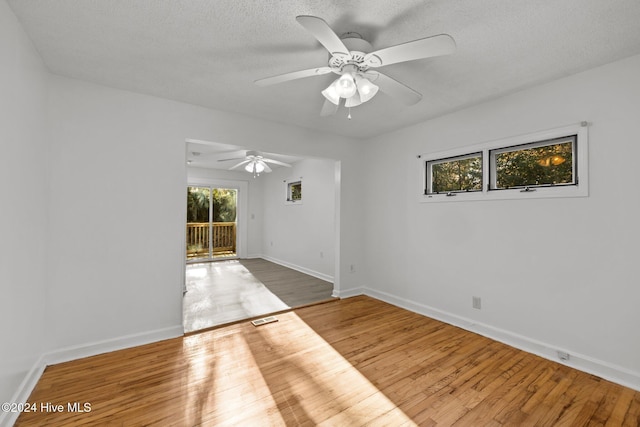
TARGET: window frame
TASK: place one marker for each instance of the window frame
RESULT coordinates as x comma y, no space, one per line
493,174
429,171
289,183
580,168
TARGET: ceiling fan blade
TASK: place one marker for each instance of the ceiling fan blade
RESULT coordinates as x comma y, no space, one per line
397,90
234,158
442,44
324,34
267,169
239,164
329,108
276,162
214,153
281,78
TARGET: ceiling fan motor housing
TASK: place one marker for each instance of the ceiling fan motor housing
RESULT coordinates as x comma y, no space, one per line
358,48
254,154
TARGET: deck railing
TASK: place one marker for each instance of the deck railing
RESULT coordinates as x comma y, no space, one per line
223,238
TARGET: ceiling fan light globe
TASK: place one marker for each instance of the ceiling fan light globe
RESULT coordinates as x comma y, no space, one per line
331,93
346,86
366,89
255,166
354,101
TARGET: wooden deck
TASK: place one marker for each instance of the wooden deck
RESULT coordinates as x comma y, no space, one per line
352,362
220,237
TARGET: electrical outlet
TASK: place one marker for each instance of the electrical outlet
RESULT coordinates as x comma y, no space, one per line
563,355
476,302
352,268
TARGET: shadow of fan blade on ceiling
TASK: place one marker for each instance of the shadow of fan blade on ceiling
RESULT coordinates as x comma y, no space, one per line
397,90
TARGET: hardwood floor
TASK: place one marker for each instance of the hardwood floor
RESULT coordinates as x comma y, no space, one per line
352,362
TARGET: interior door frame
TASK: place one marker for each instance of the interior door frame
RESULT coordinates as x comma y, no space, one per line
242,187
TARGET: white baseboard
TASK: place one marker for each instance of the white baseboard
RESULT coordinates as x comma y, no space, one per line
348,293
24,391
600,368
79,352
106,346
304,270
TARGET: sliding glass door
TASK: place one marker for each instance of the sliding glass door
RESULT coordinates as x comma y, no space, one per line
211,223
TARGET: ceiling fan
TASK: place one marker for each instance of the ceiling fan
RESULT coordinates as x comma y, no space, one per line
353,59
254,162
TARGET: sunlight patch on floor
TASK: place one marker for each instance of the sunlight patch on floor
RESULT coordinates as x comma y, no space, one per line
223,292
230,387
314,382
279,374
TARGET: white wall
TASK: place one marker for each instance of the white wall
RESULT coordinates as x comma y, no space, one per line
23,204
301,235
555,273
110,168
254,201
118,205
104,212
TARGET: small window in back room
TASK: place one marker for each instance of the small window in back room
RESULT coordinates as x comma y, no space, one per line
454,174
537,164
294,191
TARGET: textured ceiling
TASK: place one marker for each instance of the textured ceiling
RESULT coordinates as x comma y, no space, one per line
209,53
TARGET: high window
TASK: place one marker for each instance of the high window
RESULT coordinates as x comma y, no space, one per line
294,191
538,164
454,174
551,163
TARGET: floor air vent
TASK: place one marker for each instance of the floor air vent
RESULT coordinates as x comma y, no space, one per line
264,320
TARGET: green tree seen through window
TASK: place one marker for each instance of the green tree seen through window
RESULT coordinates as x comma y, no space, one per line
224,204
457,175
546,165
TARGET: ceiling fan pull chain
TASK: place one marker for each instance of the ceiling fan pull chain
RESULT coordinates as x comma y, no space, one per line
349,115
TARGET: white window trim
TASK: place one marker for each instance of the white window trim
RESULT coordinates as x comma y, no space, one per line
581,189
288,182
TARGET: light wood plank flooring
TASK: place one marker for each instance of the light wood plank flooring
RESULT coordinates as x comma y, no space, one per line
352,362
223,292
293,287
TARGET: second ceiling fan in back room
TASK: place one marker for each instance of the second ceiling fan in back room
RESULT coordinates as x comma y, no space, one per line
255,162
352,58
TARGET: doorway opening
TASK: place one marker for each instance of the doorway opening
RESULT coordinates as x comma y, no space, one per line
211,232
